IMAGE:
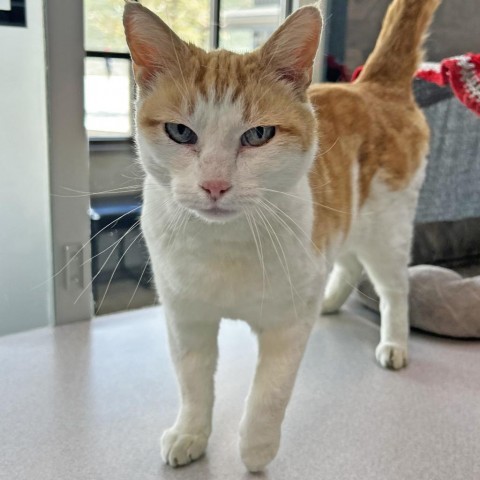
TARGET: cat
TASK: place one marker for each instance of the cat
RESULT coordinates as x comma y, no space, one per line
255,184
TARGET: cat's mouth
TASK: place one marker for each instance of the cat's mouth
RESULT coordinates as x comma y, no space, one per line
216,213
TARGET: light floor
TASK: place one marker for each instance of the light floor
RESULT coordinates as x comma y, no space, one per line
89,401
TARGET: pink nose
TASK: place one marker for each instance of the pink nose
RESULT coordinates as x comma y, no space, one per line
216,188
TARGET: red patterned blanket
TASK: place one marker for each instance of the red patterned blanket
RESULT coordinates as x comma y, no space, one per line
460,73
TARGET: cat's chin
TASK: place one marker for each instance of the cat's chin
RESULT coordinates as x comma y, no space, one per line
217,214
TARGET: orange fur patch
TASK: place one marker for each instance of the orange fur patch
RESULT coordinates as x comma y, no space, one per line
374,122
380,129
265,100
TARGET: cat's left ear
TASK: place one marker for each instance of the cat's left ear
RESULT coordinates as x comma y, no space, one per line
291,50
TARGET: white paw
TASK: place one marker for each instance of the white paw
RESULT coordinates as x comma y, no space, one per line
257,454
391,355
182,448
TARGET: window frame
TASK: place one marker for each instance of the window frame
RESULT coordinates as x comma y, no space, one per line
102,143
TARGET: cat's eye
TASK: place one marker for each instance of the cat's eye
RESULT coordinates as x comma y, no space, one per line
257,136
181,133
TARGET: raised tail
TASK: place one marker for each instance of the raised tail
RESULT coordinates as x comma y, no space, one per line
399,48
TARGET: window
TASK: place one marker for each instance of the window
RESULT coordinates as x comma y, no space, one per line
237,25
107,97
246,24
108,79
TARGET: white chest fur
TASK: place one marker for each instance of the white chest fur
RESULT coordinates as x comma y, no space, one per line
256,270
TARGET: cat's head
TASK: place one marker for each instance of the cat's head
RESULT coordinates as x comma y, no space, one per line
219,129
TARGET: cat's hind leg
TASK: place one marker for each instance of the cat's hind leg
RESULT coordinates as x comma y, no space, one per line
387,267
343,279
194,351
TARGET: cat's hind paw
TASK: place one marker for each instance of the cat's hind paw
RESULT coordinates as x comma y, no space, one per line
391,355
179,449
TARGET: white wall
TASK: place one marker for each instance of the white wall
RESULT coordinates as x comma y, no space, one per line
25,243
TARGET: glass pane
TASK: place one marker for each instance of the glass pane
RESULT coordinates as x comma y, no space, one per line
190,19
104,29
107,97
246,24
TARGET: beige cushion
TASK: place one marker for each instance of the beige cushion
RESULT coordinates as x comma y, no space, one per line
441,301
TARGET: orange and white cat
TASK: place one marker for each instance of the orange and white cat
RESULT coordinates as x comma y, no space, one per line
255,184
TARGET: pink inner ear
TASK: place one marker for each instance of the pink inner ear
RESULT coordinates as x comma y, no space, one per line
145,63
145,66
144,75
300,71
293,47
291,75
305,54
142,53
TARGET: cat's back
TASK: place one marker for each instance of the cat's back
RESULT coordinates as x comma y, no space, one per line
365,131
368,110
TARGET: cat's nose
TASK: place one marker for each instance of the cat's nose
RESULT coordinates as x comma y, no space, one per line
216,188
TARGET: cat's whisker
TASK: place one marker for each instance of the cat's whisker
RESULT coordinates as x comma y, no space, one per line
116,268
271,230
250,222
174,227
184,221
260,244
329,264
290,230
90,283
92,194
188,216
308,238
322,153
139,282
115,245
134,177
86,244
306,200
314,261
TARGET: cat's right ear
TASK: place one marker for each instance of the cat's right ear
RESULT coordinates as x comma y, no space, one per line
154,46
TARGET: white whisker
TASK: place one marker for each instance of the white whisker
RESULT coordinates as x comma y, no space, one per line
138,283
104,263
270,230
259,249
115,269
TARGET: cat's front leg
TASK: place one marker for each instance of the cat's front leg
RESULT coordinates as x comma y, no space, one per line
194,351
280,353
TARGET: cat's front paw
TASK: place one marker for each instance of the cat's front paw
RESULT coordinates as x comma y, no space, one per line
391,355
258,452
330,306
179,448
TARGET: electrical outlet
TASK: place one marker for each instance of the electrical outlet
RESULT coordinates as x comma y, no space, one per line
74,265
